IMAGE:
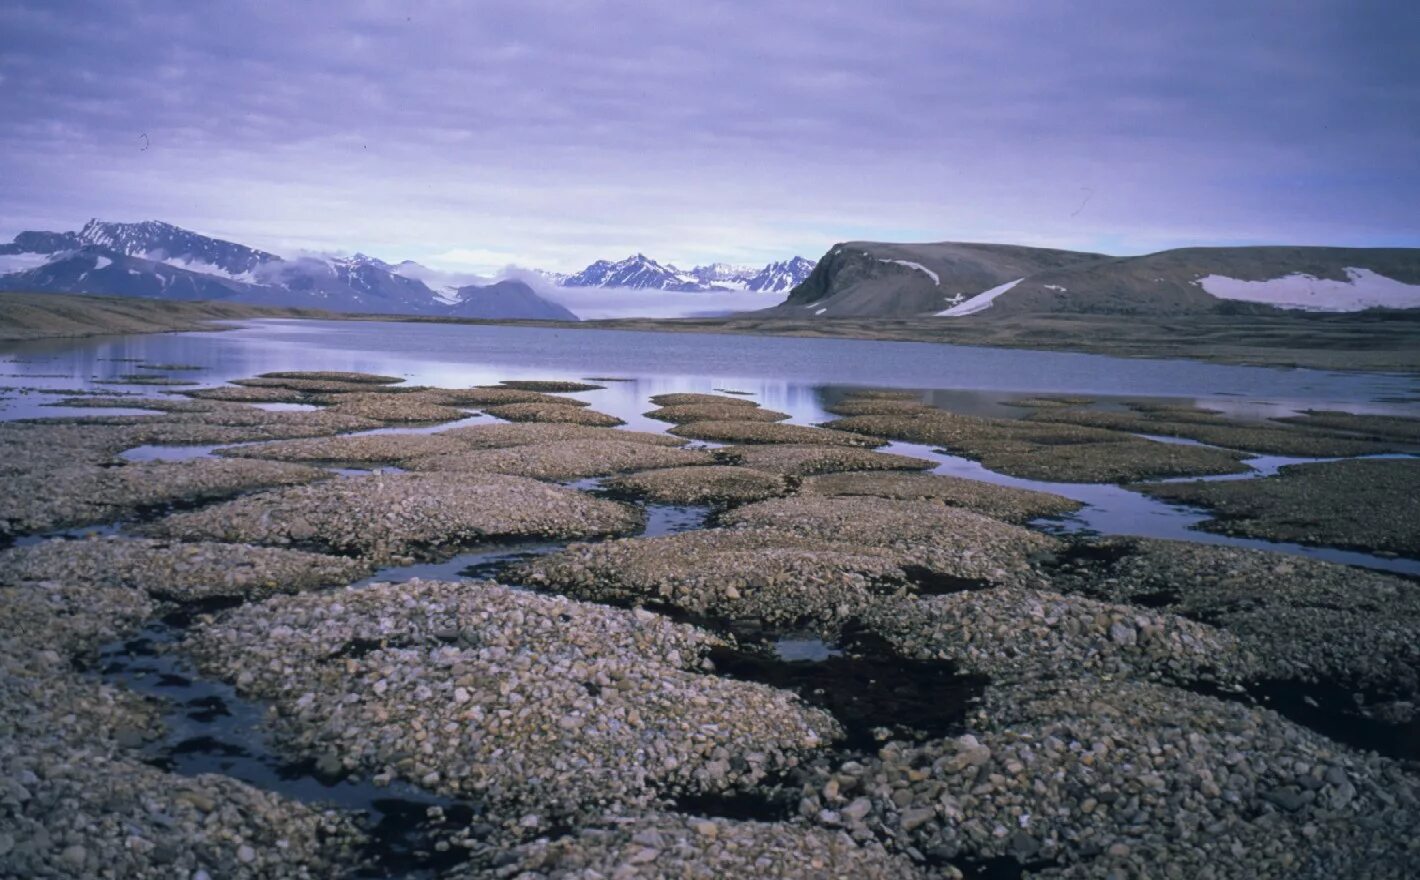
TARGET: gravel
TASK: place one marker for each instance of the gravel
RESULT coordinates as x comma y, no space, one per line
1368,504
695,848
997,502
714,485
945,540
85,494
714,413
802,461
539,706
1305,619
497,436
173,571
728,431
1039,451
783,579
393,408
1116,779
335,376
550,412
687,398
550,385
250,394
1020,634
389,517
1217,430
358,450
486,396
564,459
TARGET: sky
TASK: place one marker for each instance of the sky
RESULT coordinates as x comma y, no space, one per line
550,133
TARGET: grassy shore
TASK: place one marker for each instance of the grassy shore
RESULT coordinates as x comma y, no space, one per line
25,316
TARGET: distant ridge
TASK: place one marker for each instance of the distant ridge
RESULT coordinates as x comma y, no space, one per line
960,280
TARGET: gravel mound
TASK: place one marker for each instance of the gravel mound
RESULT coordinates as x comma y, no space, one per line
715,484
1041,451
874,406
1404,429
540,706
1368,504
565,459
393,408
997,502
783,579
175,572
714,413
335,376
688,398
1020,634
762,432
497,436
1218,430
1305,619
85,494
72,618
660,846
324,386
550,412
1133,780
81,812
802,461
358,450
945,540
486,396
549,385
250,394
386,517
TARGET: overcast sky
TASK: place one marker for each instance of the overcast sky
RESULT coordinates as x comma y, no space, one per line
470,136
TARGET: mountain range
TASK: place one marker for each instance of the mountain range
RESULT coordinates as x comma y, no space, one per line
160,260
960,279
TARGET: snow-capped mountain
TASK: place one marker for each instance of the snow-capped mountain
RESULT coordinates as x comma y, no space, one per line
782,276
165,243
642,272
155,259
638,271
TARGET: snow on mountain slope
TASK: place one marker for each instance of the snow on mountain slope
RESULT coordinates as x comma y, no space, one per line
979,302
1362,289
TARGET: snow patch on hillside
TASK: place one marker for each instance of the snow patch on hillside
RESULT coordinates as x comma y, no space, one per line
1362,289
980,302
920,268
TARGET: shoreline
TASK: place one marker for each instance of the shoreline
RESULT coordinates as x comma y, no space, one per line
1371,342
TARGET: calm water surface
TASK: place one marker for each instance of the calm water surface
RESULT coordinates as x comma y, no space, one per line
797,376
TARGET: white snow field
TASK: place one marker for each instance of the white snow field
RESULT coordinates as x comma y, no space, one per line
979,302
1362,289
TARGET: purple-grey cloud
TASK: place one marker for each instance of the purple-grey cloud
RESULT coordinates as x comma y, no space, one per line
557,131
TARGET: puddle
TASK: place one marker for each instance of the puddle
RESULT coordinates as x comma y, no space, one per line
873,696
209,728
169,453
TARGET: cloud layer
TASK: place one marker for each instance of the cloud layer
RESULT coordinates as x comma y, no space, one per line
553,132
